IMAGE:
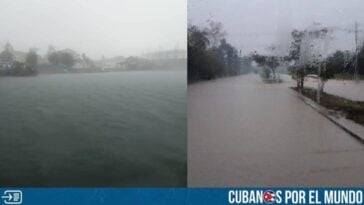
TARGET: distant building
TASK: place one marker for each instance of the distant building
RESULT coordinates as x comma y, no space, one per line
168,54
9,55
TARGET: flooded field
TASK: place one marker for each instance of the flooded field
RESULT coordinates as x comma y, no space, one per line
101,129
349,89
242,132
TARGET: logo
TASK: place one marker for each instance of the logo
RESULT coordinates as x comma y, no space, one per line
12,197
269,197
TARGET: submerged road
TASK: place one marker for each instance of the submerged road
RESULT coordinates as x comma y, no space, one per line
242,132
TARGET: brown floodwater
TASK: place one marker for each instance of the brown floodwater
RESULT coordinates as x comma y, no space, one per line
242,132
345,88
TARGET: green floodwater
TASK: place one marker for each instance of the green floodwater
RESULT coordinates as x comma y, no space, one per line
97,129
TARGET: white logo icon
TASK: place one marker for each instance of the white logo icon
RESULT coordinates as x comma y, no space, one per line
12,197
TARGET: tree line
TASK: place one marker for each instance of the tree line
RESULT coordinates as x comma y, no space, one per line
302,60
210,55
63,59
10,66
325,67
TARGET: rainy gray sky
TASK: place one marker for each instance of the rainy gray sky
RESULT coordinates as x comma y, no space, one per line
96,27
256,24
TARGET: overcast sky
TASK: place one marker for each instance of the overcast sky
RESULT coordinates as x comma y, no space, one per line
96,27
256,24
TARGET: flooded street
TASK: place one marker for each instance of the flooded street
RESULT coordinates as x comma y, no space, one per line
242,132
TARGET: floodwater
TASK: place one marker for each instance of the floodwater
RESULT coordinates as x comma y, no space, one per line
242,132
349,89
99,129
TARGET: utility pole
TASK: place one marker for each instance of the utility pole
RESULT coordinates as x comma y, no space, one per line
356,53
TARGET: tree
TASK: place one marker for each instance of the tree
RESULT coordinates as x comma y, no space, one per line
53,58
7,55
197,39
230,58
295,48
316,47
215,33
61,57
67,59
297,71
209,54
202,64
269,65
361,61
31,59
336,62
307,52
20,69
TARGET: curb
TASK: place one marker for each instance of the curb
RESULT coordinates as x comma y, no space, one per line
324,112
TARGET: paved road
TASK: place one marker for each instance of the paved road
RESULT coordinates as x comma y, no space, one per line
242,132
